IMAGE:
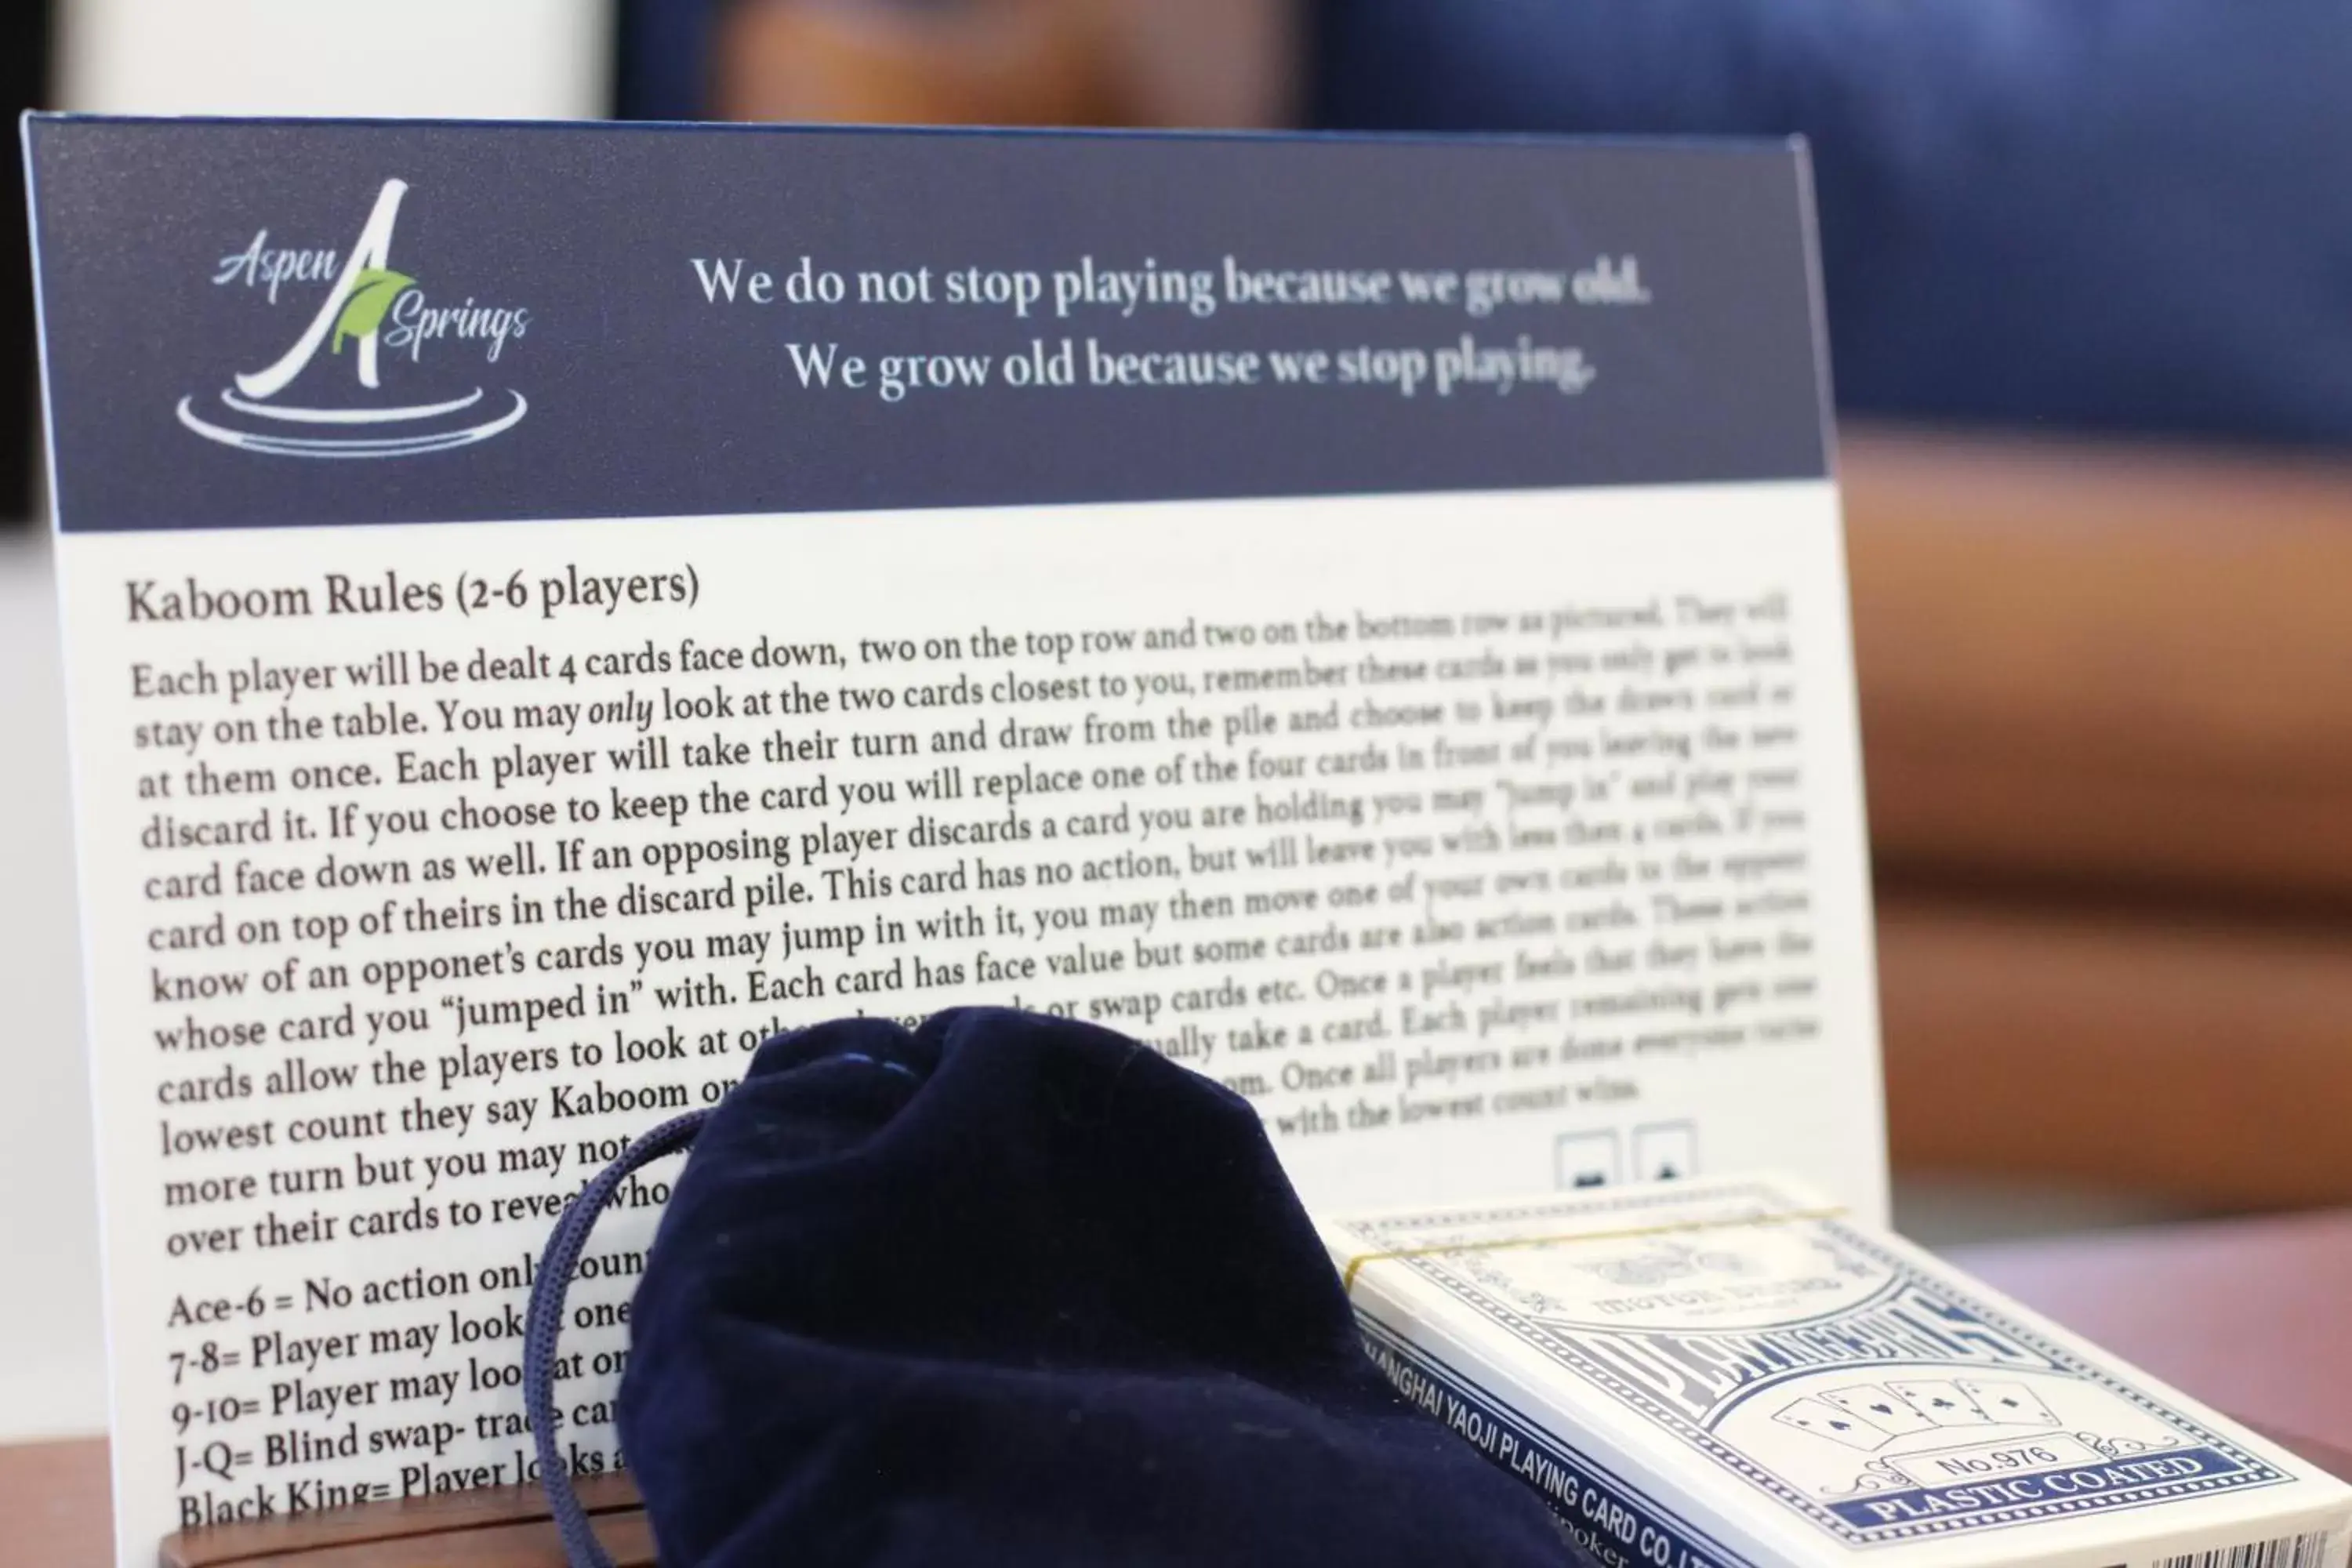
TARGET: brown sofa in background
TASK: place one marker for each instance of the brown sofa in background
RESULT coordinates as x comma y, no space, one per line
2106,700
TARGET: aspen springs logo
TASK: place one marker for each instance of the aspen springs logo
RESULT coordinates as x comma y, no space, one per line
374,317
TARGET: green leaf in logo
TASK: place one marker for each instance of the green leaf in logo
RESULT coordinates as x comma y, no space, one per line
373,293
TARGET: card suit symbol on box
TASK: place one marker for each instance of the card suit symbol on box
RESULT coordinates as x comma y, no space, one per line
1942,1403
2010,1404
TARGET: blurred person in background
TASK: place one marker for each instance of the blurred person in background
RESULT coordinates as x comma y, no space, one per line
2095,215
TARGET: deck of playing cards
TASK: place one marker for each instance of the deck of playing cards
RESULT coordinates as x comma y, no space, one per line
1698,1374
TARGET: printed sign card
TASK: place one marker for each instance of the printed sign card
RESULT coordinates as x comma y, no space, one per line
549,606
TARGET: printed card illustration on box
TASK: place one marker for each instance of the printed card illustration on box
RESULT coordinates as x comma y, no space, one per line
1889,1439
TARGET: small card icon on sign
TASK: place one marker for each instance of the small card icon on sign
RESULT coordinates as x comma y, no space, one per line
1586,1158
1666,1151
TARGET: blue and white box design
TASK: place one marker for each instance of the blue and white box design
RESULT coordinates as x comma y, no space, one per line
1700,1374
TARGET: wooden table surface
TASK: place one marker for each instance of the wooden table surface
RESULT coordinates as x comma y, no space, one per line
2248,1315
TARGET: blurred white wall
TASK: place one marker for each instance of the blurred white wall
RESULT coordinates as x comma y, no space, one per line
491,58
487,59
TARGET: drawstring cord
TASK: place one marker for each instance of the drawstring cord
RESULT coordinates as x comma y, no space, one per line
545,1321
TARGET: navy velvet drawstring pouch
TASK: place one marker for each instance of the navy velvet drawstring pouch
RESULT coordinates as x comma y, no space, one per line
1005,1289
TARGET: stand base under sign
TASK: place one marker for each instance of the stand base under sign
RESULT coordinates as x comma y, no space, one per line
489,1527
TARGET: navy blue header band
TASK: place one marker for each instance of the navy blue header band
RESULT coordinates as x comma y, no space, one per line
263,323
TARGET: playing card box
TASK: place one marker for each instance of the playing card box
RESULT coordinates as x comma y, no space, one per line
1700,1374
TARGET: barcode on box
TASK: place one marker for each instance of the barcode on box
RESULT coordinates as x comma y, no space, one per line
2308,1550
